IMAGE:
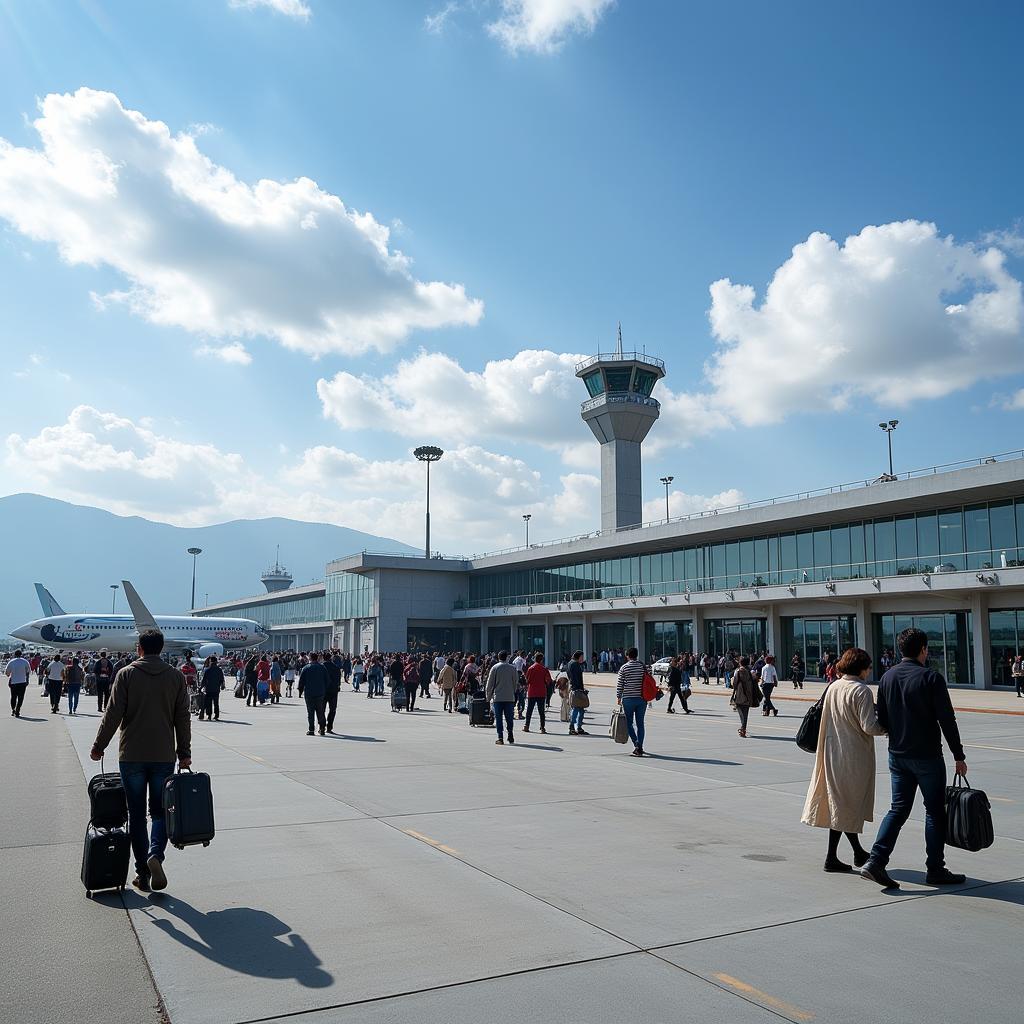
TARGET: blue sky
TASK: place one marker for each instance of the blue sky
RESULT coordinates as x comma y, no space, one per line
549,185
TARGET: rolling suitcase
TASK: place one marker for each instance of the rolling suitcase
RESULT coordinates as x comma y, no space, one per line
108,805
188,809
398,698
240,690
968,817
618,730
480,712
105,859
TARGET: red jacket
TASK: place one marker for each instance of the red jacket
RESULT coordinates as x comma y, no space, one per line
263,671
537,680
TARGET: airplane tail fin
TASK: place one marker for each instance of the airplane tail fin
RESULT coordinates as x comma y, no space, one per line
142,615
49,605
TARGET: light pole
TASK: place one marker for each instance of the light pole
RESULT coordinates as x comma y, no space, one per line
889,428
428,453
526,519
194,552
113,596
666,480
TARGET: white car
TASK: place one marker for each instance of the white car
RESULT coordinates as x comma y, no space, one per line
661,667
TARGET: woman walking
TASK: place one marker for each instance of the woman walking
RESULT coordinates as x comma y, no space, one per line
841,795
73,676
678,686
798,672
743,693
446,683
769,680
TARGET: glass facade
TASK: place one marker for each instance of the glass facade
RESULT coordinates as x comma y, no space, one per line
349,595
568,639
664,639
950,642
1006,638
942,540
427,639
499,638
316,641
530,639
284,611
812,638
613,636
742,636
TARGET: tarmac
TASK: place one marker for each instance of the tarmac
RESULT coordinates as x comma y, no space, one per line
409,870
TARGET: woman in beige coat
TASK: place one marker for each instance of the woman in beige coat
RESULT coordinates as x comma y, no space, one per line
841,796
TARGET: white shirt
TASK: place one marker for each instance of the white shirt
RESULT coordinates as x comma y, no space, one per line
769,675
520,664
440,661
17,669
56,671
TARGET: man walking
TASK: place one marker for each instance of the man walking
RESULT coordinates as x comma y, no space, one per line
501,691
17,679
333,668
914,708
538,679
313,683
104,677
150,705
574,670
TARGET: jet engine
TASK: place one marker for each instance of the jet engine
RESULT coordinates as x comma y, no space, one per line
205,650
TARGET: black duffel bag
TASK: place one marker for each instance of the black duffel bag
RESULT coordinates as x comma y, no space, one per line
810,727
968,817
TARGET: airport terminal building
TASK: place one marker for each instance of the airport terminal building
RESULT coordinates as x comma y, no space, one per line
942,549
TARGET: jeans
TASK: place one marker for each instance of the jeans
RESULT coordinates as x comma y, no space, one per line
503,708
17,696
410,696
635,708
576,717
357,681
908,774
743,710
137,777
538,703
331,708
767,689
102,694
211,703
315,706
74,689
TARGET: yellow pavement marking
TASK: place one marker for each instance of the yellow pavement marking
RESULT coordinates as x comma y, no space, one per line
775,760
1003,799
431,842
983,746
763,997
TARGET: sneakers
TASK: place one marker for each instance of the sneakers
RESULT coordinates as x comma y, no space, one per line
141,883
572,731
157,877
876,873
580,732
499,742
944,877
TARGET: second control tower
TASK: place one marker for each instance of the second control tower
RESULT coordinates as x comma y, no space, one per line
620,412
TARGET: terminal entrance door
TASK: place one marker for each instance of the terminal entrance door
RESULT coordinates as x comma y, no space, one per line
811,638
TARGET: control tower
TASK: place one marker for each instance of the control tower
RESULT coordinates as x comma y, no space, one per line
620,412
277,577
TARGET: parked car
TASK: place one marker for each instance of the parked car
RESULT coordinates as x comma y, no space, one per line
661,667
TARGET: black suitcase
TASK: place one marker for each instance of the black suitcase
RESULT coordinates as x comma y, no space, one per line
480,712
240,690
195,702
105,859
968,817
398,698
107,800
188,809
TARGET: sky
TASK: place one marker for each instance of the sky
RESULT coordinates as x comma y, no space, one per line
253,252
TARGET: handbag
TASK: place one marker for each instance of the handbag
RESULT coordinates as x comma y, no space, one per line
619,728
564,712
649,688
810,727
968,817
580,699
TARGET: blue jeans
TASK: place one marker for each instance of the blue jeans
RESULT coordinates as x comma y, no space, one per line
74,689
576,718
909,774
503,708
635,708
137,776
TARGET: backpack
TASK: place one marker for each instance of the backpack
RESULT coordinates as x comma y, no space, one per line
649,688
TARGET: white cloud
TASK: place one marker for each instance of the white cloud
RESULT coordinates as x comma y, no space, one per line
543,26
1011,403
435,23
205,251
894,314
532,397
235,353
682,504
292,8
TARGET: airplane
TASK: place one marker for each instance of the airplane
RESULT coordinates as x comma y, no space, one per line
199,634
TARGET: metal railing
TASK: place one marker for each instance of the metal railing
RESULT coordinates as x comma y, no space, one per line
628,398
621,357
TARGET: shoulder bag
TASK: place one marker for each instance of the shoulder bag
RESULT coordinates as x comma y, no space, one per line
810,727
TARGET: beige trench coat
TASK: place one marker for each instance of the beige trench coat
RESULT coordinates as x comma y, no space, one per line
842,790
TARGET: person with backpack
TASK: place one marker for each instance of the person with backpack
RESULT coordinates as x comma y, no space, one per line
841,795
629,692
915,710
104,679
73,678
411,682
210,685
743,693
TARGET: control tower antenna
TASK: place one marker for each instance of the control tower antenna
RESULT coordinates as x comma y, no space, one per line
620,412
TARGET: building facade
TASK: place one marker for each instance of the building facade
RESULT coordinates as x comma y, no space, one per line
943,550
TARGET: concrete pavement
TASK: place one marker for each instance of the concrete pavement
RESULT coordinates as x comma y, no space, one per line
410,870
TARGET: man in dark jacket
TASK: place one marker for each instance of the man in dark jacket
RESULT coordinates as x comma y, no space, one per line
574,670
104,678
313,682
150,704
915,710
333,669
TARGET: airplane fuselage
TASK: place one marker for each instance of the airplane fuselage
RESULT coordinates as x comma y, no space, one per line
119,632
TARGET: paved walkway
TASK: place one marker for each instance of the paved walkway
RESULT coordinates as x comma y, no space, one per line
409,870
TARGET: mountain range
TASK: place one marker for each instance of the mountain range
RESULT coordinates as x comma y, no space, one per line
77,552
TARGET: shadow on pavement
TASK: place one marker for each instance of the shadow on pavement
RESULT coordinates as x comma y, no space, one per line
537,746
25,718
242,939
694,760
224,721
356,739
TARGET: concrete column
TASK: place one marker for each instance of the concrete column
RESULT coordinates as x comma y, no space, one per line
638,634
352,627
483,637
513,639
863,626
587,638
773,631
548,640
698,630
982,642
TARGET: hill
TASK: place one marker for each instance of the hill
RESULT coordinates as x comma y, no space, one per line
77,552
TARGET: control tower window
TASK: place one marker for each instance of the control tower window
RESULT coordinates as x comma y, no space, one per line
643,382
594,382
618,380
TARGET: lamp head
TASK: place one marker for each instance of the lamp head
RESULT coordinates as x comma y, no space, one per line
195,551
428,453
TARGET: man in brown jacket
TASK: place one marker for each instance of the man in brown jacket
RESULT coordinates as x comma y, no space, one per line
150,704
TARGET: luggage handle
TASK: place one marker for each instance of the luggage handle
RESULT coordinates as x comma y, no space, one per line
957,784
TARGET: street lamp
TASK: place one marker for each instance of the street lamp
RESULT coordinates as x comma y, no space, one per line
666,480
428,453
113,596
526,519
194,552
889,428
